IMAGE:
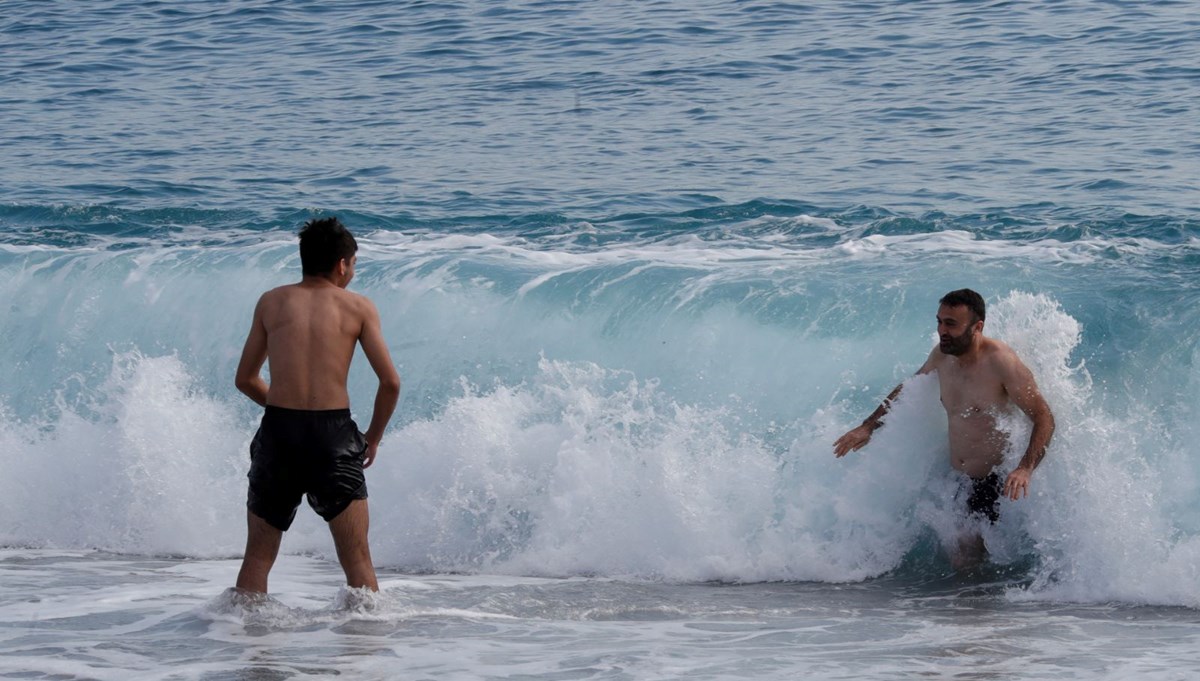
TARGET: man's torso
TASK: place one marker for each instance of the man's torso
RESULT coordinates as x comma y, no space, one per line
311,334
973,395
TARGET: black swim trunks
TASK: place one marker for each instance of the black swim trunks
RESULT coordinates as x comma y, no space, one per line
985,494
297,452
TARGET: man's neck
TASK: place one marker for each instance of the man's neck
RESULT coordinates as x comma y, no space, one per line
318,281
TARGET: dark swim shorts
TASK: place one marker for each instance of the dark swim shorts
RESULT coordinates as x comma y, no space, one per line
985,494
297,452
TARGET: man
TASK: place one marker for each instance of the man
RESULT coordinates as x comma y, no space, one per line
978,377
307,443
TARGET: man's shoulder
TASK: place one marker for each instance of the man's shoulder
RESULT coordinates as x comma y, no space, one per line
994,347
933,361
357,306
356,300
1001,355
280,291
276,294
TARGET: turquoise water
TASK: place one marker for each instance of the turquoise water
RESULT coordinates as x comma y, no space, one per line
639,265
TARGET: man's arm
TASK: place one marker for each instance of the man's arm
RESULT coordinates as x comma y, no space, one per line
858,438
254,353
1023,391
388,393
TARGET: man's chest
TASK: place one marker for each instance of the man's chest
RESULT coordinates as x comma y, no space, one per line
970,389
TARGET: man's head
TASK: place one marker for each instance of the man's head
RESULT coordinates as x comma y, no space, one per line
326,244
960,317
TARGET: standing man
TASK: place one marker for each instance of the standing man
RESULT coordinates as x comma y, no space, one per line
979,377
307,443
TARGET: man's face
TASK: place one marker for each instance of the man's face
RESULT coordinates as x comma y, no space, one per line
956,328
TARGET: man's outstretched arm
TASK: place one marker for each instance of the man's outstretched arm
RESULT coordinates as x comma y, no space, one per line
375,348
254,353
1023,391
858,438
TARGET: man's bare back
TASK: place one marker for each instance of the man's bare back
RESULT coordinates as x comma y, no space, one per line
307,333
311,329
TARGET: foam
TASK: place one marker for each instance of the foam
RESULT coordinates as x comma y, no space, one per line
151,469
1097,517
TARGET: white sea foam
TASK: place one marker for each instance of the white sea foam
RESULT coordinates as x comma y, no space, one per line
151,470
1097,517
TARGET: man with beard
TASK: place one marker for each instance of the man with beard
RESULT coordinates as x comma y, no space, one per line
979,377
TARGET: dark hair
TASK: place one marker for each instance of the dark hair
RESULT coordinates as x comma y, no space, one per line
323,243
965,296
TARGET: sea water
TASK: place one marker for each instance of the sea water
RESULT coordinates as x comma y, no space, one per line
639,265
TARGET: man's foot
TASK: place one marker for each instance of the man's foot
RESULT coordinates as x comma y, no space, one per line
361,600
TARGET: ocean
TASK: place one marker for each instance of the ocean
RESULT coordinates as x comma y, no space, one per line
639,265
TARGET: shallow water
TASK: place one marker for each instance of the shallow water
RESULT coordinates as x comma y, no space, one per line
95,615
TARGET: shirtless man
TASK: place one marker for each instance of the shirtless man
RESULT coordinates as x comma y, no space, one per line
307,443
978,377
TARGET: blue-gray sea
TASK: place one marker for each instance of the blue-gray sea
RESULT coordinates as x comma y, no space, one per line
639,265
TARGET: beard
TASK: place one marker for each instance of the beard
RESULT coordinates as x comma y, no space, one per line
957,345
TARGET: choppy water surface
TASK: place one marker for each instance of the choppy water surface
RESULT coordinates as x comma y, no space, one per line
463,107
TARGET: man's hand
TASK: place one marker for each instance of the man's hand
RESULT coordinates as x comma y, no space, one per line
1017,484
853,441
369,455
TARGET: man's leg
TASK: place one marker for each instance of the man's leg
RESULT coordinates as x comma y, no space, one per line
349,529
969,552
262,546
